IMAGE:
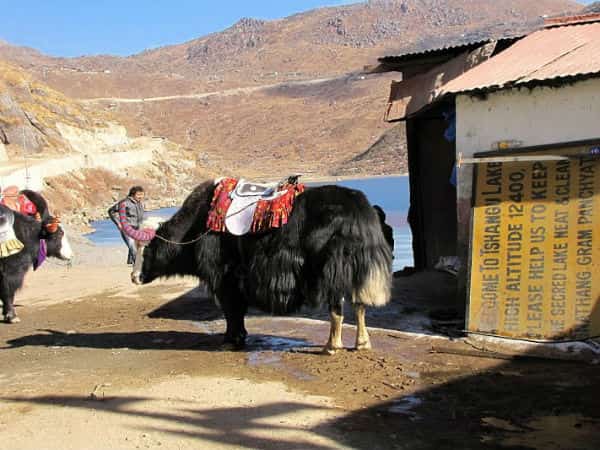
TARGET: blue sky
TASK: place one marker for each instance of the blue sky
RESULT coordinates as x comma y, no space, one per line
84,27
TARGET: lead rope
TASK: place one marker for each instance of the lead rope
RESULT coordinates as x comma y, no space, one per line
206,232
182,243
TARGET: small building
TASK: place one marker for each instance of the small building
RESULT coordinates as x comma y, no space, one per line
503,142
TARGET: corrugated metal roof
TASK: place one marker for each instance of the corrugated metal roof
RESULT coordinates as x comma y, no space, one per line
434,46
555,53
459,47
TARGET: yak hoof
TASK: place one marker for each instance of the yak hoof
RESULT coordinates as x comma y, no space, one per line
11,319
363,346
330,351
233,345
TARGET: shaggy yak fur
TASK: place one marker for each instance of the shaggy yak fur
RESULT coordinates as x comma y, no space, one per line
29,231
331,250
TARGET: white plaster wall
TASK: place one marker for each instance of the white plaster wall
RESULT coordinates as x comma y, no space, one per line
539,116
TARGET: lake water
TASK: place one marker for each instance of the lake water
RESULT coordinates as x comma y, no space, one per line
391,193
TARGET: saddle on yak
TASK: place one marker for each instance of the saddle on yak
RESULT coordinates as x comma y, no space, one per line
240,207
9,244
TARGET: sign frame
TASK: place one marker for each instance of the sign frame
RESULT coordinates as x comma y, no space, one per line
566,151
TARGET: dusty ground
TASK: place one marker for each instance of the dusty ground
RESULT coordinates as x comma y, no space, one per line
99,363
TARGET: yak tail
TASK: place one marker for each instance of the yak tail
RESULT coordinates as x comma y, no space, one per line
360,264
375,289
373,271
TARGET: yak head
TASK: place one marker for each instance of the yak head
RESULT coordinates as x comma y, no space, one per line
58,245
174,249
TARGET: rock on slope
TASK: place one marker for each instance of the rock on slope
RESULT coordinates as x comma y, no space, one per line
78,155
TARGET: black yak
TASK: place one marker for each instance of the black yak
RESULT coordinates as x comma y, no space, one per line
29,232
332,249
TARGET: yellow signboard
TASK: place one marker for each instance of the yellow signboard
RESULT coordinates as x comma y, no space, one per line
535,252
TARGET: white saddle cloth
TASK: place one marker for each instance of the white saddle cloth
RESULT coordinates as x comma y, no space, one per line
9,244
244,199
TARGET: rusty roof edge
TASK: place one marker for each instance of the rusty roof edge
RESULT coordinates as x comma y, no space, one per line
553,81
553,22
445,96
580,40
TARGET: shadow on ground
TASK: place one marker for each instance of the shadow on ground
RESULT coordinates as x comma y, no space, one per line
518,405
522,404
423,302
236,426
415,300
156,340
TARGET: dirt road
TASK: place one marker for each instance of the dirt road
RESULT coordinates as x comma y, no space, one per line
99,363
222,93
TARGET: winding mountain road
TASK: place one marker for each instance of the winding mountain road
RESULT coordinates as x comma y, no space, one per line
223,93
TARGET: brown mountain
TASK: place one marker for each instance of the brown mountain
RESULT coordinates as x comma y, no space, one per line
308,127
270,97
318,43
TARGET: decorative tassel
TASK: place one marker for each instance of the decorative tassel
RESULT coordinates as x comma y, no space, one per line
219,204
276,213
10,247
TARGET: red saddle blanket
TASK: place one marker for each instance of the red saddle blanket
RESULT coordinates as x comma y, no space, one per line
268,213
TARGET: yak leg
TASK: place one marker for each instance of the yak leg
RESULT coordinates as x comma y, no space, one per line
235,333
7,293
362,335
234,308
336,317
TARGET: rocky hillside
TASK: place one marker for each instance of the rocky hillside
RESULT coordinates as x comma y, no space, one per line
32,114
318,43
78,155
303,127
387,156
